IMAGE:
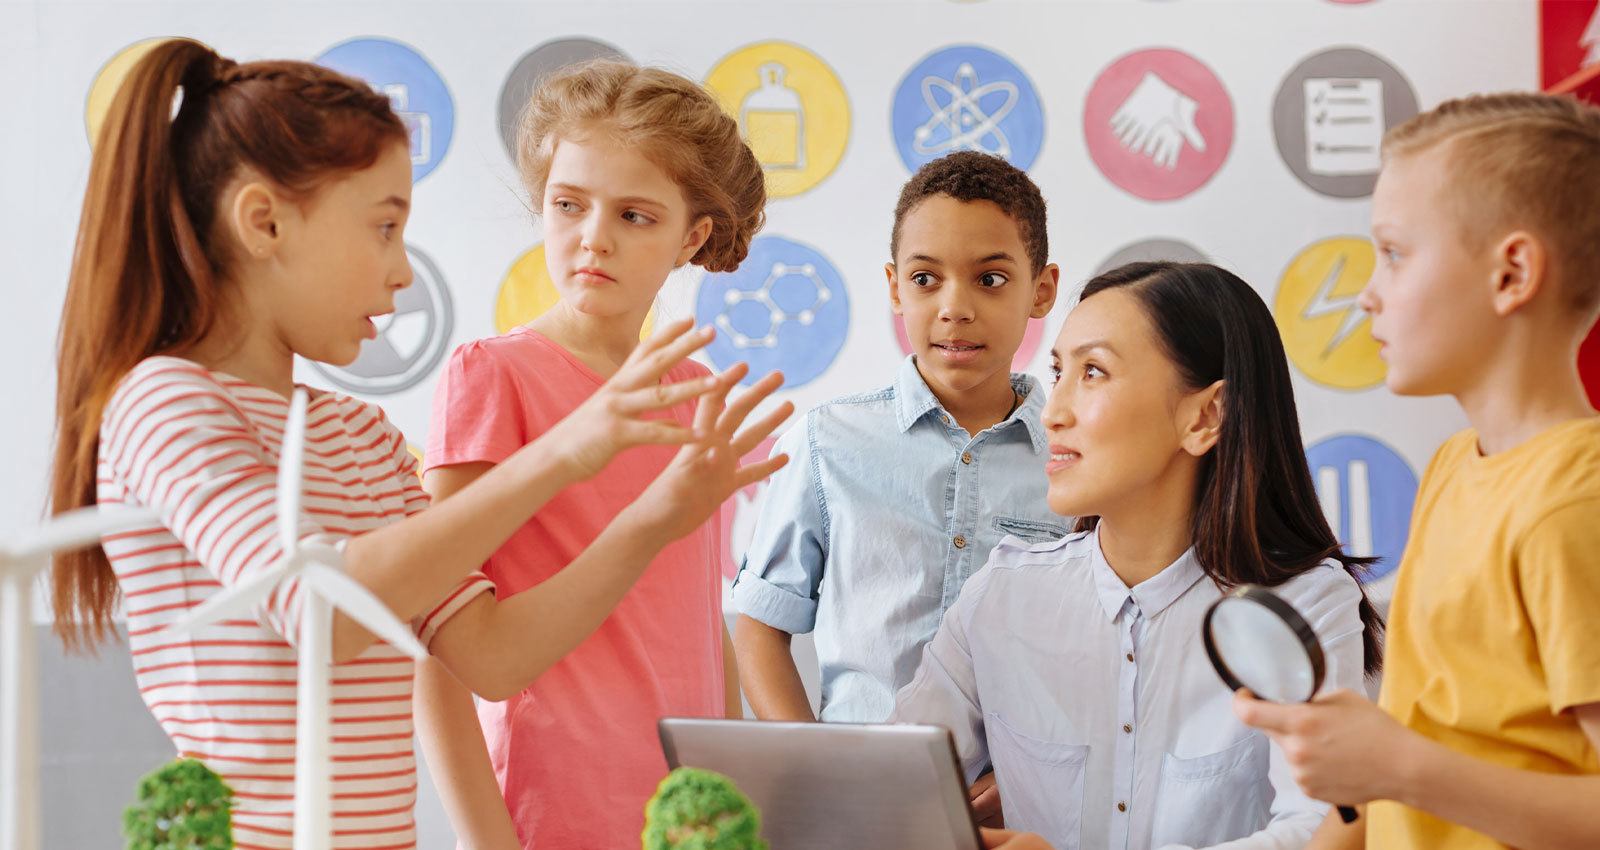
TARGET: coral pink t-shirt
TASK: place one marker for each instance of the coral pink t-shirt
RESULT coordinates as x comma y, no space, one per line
577,753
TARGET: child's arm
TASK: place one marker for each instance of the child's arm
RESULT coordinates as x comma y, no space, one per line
551,618
1335,834
412,564
179,444
777,587
771,679
452,742
1346,749
734,703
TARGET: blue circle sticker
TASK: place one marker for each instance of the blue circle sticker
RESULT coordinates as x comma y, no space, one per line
415,89
784,308
1367,491
967,98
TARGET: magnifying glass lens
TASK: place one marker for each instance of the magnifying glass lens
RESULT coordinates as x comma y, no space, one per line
1262,651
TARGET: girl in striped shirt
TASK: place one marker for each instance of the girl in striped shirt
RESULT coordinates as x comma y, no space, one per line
261,219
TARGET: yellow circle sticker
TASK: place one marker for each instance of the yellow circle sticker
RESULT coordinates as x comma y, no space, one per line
527,292
1325,334
791,109
109,80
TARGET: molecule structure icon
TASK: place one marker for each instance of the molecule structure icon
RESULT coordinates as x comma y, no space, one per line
776,311
786,308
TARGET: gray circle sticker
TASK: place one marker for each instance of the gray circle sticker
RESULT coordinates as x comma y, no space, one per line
537,64
1151,251
1330,115
410,342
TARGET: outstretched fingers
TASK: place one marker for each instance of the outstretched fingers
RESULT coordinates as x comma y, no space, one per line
733,416
751,437
652,358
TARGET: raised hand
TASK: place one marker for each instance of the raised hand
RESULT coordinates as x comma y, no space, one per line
706,472
612,419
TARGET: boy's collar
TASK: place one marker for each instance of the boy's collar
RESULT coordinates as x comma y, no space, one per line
913,400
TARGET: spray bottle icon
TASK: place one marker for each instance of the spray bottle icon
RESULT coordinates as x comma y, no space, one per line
773,121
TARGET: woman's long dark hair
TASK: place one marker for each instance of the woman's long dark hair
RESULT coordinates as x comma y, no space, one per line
1257,519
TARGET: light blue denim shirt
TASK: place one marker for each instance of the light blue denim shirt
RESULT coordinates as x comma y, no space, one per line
885,509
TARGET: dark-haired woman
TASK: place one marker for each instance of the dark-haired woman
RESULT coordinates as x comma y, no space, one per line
1076,668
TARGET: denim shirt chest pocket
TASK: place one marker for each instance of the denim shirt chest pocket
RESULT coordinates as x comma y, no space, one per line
1031,530
1213,798
1040,781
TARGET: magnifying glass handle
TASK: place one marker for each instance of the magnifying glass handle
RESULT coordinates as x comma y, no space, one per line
1348,814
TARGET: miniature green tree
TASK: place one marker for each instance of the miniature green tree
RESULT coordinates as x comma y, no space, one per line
181,805
696,809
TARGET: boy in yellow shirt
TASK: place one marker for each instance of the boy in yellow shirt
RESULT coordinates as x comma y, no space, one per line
1486,219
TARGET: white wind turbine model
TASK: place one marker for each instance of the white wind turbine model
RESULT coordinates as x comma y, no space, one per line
21,559
324,587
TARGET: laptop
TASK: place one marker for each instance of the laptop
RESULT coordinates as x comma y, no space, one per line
836,786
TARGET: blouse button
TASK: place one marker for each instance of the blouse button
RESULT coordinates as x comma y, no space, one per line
961,542
1122,807
966,457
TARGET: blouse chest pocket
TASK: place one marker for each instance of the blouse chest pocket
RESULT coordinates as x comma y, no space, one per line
1029,530
1213,798
1040,782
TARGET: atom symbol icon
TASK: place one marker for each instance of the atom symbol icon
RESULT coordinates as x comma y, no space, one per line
963,117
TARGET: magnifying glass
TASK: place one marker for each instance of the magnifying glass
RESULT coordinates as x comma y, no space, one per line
1258,641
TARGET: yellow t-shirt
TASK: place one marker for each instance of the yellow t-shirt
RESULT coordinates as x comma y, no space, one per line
1494,630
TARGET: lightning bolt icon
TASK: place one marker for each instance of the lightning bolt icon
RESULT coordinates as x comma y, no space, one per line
1322,305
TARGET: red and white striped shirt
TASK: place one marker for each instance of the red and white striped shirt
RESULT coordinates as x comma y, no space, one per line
201,448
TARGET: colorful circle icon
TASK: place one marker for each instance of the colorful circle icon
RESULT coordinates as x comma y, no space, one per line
1330,115
1155,250
411,340
785,308
415,89
1031,337
1325,334
1367,491
527,292
1158,123
109,80
967,97
791,109
532,69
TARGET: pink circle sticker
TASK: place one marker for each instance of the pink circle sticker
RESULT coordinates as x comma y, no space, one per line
1158,123
1031,337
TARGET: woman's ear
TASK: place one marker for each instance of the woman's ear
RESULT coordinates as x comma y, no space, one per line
694,240
1202,419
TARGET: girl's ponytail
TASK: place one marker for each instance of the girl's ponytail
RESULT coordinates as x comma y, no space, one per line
148,271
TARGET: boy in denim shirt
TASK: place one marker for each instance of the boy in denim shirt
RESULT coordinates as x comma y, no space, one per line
893,498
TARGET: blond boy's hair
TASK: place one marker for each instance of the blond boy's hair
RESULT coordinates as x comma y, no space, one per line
1521,160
